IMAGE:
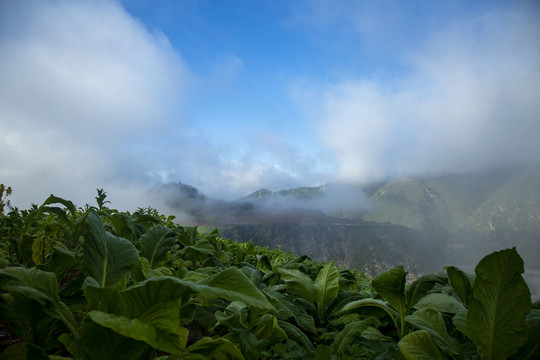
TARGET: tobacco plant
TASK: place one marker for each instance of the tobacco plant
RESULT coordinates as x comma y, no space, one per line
98,283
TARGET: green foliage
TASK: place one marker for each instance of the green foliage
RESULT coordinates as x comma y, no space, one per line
501,299
157,326
531,349
33,306
107,258
419,346
462,283
96,283
390,285
326,288
155,244
432,321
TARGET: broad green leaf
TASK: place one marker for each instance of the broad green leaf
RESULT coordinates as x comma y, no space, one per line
461,282
56,357
232,284
24,351
40,249
219,349
326,287
460,321
298,259
531,349
229,284
296,335
343,298
104,299
372,303
268,329
234,316
198,252
134,301
323,352
287,309
501,299
390,285
107,258
156,242
298,284
24,248
27,318
420,288
372,333
432,321
158,326
126,225
59,212
253,274
350,333
101,343
41,287
440,302
263,262
183,356
419,346
58,200
148,272
60,262
345,319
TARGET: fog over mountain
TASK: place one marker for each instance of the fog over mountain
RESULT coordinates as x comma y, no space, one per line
125,95
425,223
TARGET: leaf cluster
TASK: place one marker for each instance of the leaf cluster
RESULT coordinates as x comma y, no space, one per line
97,283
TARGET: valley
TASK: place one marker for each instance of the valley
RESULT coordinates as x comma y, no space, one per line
425,223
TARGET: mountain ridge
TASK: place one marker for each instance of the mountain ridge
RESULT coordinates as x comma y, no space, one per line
459,216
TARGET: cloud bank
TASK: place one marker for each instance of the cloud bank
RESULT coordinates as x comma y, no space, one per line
90,98
470,100
82,82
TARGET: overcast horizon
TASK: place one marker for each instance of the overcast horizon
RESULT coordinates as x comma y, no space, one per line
234,96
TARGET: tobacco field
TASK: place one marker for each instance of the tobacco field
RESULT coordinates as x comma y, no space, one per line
93,282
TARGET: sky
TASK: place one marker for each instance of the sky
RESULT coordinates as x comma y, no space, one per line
233,96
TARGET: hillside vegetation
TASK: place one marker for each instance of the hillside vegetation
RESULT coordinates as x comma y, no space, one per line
98,283
470,215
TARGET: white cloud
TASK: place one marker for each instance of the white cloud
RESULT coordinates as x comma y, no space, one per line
82,83
471,100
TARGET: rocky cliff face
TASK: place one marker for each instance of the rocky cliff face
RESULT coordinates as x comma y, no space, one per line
368,247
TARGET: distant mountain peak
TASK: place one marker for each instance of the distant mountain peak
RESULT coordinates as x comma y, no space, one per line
258,194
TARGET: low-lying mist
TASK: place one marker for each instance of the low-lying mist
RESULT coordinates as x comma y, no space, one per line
424,222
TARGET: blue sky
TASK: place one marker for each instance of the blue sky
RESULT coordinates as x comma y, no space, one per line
232,96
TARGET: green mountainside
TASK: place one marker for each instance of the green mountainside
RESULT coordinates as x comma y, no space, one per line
473,213
510,215
301,193
422,222
445,201
513,206
410,203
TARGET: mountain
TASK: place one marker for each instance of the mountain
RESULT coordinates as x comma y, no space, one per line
302,193
422,222
509,216
369,247
410,203
471,213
